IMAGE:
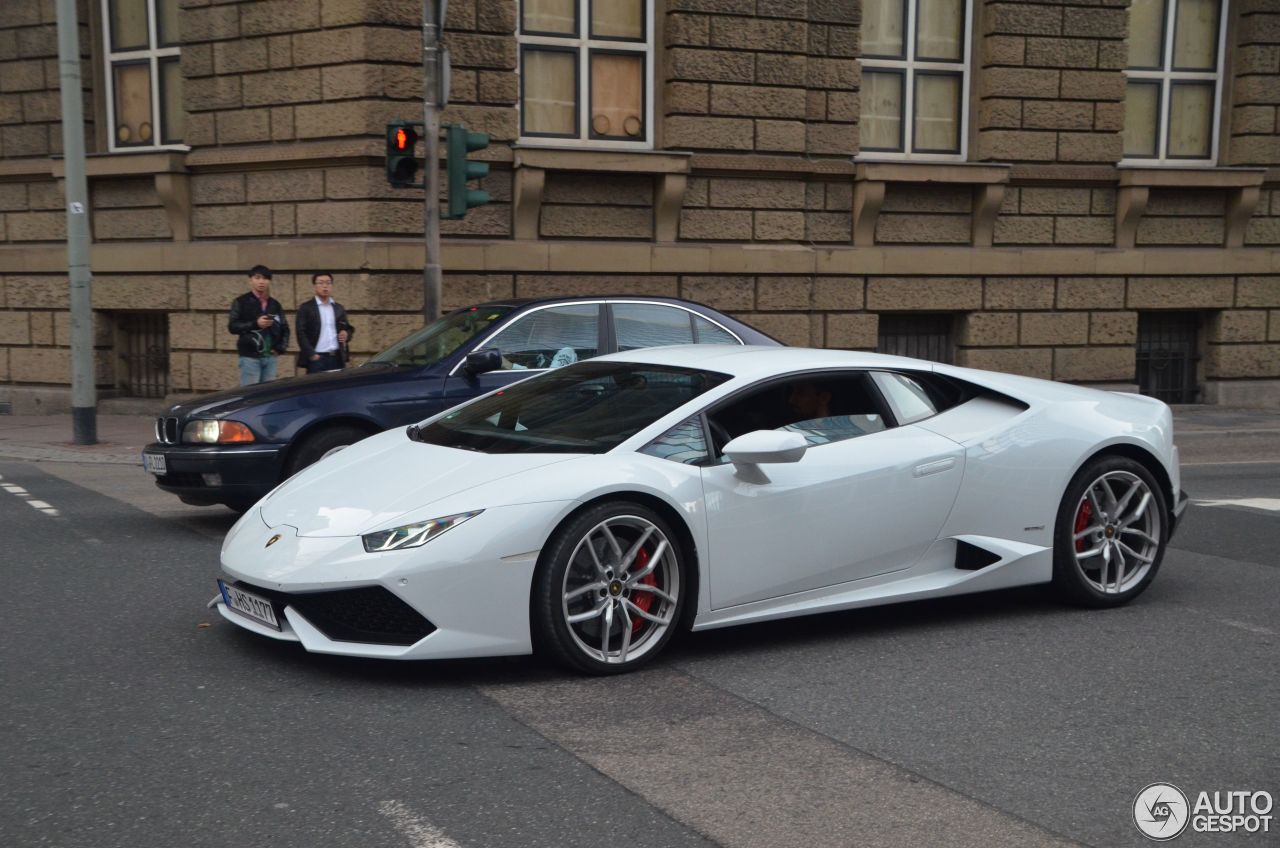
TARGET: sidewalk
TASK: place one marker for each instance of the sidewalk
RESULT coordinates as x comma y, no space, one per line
1204,434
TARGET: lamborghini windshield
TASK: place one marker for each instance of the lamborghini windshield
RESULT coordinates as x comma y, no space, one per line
585,408
442,337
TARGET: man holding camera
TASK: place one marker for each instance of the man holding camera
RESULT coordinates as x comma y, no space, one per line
258,319
323,329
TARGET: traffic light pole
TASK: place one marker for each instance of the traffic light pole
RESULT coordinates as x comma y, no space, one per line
432,21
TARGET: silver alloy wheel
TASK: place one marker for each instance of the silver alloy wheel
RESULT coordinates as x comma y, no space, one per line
1116,533
620,589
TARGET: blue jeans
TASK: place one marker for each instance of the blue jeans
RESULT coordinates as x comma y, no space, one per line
257,369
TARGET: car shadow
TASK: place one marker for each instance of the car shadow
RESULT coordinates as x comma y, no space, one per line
843,627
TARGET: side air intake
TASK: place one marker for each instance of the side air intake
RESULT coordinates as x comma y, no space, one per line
971,557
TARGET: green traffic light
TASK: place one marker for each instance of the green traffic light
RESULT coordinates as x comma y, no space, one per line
460,170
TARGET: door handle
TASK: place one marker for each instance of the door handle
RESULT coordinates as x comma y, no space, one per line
937,466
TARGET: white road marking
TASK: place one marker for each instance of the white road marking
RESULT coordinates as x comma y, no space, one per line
39,504
20,492
1269,504
14,490
420,832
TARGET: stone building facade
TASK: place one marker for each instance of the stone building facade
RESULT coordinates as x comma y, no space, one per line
1083,190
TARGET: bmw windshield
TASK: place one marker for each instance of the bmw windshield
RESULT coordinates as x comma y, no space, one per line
586,408
442,337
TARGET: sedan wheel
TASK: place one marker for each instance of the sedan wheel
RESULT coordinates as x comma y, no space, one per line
1111,533
609,591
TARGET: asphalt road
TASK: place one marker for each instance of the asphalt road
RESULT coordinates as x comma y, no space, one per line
133,716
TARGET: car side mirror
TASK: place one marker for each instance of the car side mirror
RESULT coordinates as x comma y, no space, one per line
766,446
482,361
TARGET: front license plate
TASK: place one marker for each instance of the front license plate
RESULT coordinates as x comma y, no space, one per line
250,605
154,463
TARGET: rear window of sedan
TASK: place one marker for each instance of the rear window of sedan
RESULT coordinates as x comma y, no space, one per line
586,408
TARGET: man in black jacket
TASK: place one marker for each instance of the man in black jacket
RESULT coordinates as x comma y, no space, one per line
258,319
323,329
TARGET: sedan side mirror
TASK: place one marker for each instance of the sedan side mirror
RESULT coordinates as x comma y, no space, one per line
766,446
483,361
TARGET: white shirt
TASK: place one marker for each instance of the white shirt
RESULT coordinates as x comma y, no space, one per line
328,341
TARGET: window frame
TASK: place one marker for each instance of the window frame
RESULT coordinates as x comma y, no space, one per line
1166,77
153,55
907,66
584,44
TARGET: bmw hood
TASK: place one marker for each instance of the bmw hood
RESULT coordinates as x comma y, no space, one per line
369,484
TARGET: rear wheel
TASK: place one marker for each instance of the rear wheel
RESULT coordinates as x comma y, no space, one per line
1110,535
609,589
322,443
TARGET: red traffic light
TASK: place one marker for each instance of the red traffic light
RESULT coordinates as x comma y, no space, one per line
402,139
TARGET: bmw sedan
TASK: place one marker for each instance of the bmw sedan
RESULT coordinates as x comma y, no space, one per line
234,446
595,511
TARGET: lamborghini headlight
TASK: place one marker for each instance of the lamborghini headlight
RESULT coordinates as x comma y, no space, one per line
413,535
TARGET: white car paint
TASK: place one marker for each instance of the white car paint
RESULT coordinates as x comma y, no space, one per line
865,521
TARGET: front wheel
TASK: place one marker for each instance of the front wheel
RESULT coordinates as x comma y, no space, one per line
322,444
609,589
1111,533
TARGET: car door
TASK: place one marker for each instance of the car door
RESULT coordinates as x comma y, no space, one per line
544,338
864,500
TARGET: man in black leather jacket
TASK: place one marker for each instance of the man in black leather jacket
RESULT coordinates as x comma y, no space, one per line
258,319
323,328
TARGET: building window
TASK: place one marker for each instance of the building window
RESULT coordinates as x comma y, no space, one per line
142,354
144,77
585,67
920,335
1168,355
915,79
1174,80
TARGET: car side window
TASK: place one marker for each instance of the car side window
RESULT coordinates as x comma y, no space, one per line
822,407
684,443
908,398
550,338
640,325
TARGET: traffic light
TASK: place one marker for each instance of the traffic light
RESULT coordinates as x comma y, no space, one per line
402,162
460,171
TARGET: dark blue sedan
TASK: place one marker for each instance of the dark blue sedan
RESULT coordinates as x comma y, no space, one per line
233,447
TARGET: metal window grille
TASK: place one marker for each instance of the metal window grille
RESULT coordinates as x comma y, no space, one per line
1168,353
921,336
144,353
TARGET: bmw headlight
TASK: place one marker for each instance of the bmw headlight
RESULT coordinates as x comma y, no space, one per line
212,432
413,535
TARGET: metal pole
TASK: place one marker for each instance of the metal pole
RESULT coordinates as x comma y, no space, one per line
432,19
84,412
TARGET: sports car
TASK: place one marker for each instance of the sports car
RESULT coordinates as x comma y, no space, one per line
593,512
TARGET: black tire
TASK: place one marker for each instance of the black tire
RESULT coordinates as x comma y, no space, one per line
637,638
315,445
1116,577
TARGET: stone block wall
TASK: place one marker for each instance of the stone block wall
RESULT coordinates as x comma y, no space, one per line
1050,85
1064,215
1255,113
766,76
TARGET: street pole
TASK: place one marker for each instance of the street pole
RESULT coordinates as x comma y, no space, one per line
432,21
84,412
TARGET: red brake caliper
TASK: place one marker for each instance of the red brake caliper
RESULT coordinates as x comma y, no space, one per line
643,600
1082,521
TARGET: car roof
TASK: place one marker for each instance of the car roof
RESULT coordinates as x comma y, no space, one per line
521,302
756,361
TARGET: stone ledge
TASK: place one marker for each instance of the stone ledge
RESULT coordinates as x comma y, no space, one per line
479,255
530,165
1243,187
870,179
